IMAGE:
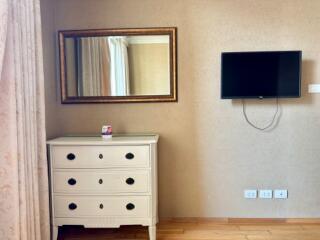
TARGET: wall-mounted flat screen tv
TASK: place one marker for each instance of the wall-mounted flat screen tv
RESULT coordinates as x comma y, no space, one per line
274,74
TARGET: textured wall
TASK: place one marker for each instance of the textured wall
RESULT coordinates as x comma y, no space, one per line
50,66
208,153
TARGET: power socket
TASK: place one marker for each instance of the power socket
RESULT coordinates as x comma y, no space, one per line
314,88
250,193
265,193
281,193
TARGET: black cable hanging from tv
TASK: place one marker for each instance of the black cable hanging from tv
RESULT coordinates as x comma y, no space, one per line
253,125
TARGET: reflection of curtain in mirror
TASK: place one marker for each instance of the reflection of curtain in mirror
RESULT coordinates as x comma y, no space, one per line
94,67
119,68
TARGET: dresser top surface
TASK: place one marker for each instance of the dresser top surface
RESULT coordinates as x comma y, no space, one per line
98,140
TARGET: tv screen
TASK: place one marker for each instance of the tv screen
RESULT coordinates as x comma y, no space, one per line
260,74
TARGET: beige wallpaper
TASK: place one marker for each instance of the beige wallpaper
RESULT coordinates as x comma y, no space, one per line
50,66
208,154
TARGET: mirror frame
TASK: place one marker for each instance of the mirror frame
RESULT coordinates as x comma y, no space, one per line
171,31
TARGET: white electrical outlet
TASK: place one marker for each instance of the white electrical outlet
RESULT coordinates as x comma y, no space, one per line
281,193
265,193
250,193
314,88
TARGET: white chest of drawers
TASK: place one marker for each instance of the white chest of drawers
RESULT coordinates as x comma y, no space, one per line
103,183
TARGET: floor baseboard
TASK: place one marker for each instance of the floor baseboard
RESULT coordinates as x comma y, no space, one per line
242,220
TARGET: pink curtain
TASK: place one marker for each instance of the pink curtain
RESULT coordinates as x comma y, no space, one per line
23,170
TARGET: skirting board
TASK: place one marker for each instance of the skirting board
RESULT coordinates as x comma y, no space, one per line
242,220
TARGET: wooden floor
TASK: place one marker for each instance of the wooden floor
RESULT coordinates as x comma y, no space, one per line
204,229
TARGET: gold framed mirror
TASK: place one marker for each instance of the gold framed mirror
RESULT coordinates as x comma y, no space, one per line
118,65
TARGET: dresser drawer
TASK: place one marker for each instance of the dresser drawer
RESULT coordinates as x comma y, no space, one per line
100,156
85,206
104,182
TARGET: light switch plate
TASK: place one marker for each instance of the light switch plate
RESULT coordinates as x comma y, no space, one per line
250,193
265,193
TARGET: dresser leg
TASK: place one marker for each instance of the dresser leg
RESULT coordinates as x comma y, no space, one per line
55,230
152,232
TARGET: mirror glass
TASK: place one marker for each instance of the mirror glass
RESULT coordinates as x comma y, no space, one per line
117,67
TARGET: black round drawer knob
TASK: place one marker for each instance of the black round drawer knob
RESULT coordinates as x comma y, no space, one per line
72,181
72,206
100,181
129,156
71,156
130,181
101,206
130,206
101,156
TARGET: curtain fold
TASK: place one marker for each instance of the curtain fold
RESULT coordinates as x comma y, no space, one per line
24,205
4,11
94,62
103,66
119,74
